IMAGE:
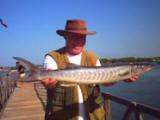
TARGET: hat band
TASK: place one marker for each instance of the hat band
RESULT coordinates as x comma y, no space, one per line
76,29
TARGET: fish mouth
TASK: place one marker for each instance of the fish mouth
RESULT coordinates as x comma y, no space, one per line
146,68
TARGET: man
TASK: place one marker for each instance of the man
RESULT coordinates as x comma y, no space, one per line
21,71
79,102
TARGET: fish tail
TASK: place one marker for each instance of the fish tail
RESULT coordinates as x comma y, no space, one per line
28,65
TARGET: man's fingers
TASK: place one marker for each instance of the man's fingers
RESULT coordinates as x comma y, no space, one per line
49,82
45,81
132,79
135,77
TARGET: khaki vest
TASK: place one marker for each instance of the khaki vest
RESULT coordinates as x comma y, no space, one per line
62,102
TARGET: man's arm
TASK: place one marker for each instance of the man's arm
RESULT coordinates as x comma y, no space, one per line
50,65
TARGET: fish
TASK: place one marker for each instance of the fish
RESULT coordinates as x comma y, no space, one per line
86,75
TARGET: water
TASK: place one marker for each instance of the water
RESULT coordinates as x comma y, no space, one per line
145,90
3,72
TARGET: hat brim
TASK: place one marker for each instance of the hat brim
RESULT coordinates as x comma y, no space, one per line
66,32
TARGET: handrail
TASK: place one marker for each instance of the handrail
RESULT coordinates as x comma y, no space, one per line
137,108
6,89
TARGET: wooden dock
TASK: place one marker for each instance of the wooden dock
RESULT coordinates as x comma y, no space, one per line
26,103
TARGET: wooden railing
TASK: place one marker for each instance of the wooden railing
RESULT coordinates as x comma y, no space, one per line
132,107
6,89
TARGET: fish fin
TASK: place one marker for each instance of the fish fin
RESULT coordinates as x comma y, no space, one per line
67,84
31,67
124,74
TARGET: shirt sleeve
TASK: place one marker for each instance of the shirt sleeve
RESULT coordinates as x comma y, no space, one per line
49,63
98,63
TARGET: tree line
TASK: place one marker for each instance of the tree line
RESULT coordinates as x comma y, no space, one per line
129,59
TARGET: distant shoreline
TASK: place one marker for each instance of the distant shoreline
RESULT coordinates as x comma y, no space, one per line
130,59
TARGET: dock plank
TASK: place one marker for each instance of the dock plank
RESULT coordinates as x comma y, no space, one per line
24,104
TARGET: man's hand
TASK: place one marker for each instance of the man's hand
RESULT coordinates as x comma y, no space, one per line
132,79
49,83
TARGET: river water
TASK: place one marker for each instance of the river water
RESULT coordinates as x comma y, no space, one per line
145,90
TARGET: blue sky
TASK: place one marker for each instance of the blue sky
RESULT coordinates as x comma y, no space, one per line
124,27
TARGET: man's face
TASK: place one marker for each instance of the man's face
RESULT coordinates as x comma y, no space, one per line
75,43
17,63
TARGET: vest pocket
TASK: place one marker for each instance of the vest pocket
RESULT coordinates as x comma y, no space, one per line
62,104
58,98
96,104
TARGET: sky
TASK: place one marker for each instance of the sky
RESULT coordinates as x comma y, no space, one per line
124,27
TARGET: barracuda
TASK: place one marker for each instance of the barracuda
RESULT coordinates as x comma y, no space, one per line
86,75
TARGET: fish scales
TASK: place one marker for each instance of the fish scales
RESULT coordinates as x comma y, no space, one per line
87,75
94,75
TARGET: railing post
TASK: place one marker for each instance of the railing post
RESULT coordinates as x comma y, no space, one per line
128,112
107,108
138,115
6,89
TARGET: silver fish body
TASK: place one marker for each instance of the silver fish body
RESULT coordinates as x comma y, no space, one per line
95,75
86,75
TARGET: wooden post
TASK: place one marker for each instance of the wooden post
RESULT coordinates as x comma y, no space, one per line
128,112
138,115
108,109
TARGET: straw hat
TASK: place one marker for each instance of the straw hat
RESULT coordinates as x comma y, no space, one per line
75,26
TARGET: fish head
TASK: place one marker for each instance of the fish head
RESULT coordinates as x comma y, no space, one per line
140,69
